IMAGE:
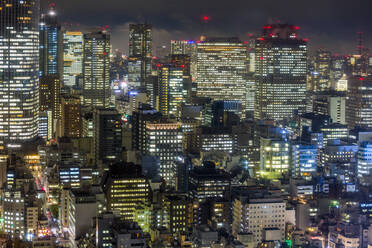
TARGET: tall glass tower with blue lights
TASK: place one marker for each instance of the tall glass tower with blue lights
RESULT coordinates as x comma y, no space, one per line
51,44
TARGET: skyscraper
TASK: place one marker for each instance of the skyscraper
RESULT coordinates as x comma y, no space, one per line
73,43
321,76
50,101
71,117
51,46
359,102
19,68
281,65
96,62
171,91
107,135
164,140
140,52
221,69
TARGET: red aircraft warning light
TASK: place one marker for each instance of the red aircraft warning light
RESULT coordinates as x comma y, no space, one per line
206,18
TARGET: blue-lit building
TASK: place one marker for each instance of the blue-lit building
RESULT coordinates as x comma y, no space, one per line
364,159
304,160
51,44
69,175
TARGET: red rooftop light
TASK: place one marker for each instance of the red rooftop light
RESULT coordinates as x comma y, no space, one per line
296,27
206,18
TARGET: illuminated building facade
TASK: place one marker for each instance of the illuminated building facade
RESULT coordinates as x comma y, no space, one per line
281,69
341,84
182,47
221,70
175,213
19,69
338,67
364,158
125,188
134,72
73,44
140,52
13,212
51,44
274,155
71,125
334,131
164,140
143,115
359,102
258,211
321,76
332,104
96,63
107,135
111,231
214,139
50,93
171,90
209,182
304,159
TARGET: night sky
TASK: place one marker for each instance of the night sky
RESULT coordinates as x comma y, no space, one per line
327,23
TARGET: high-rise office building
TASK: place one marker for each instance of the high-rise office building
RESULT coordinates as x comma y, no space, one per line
50,95
359,102
50,104
51,46
96,63
19,68
184,61
331,103
140,40
140,118
281,67
221,69
140,52
164,140
73,44
171,90
107,135
321,77
182,47
71,117
364,157
125,187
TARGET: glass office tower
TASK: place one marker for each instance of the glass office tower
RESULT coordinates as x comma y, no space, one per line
19,68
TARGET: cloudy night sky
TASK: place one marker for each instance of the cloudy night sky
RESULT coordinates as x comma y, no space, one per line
327,23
